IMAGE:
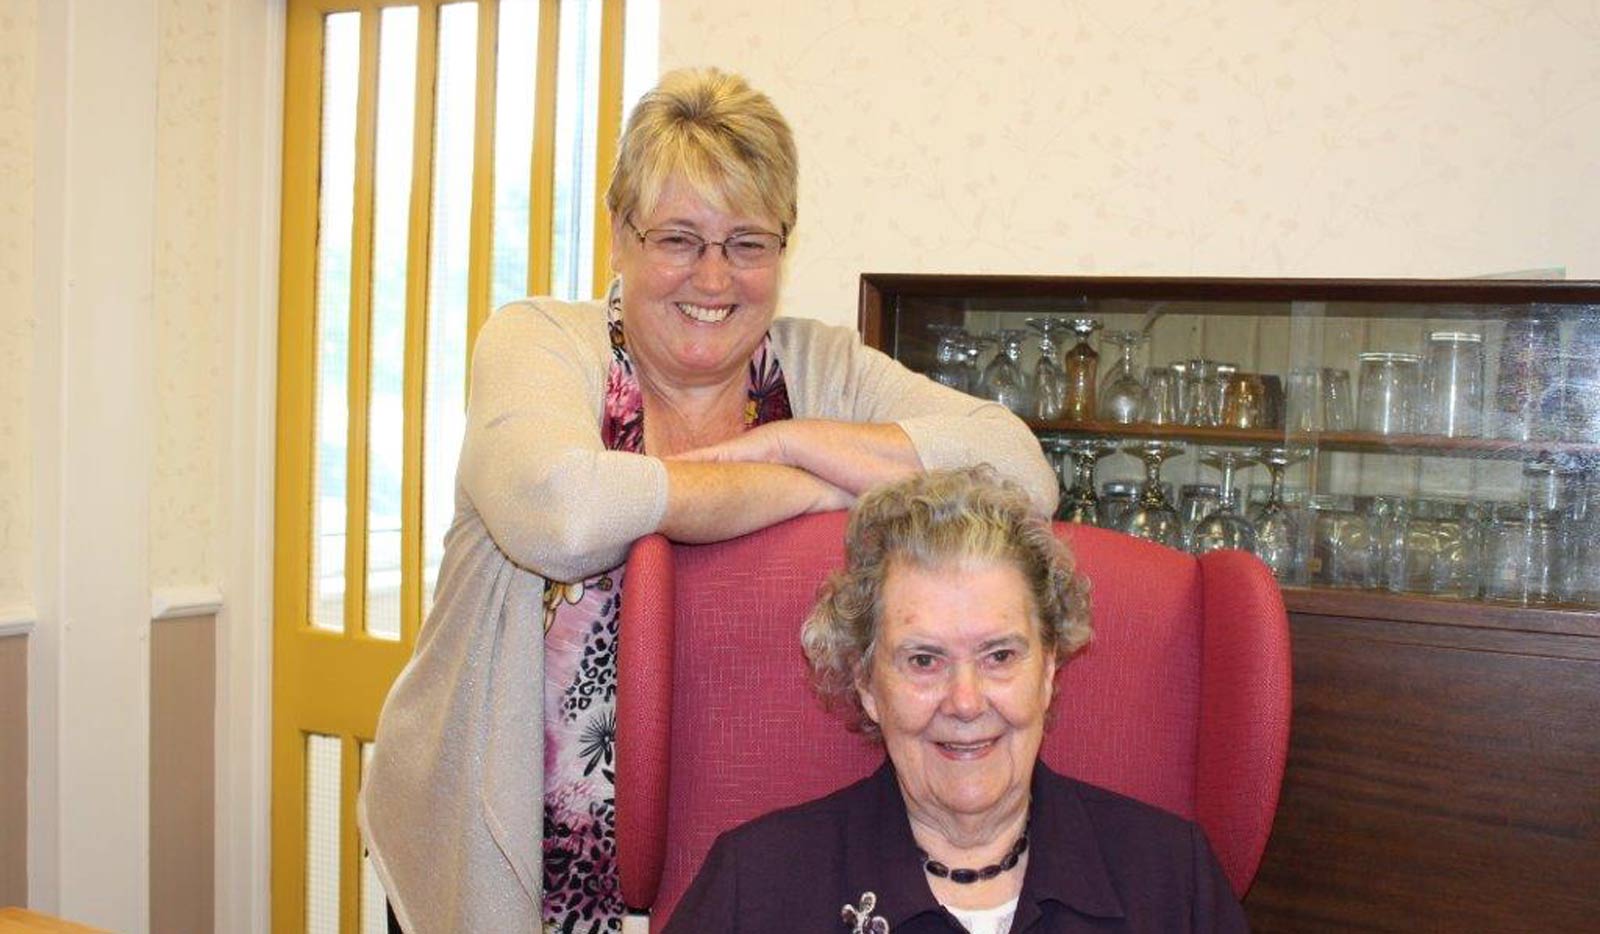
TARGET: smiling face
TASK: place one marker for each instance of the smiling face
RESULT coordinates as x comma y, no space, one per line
959,685
692,325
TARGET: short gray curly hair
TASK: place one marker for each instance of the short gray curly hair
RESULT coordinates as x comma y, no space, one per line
928,521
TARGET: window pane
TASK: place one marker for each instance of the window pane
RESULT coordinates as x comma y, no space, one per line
397,74
445,392
517,64
641,53
323,754
386,354
340,67
577,81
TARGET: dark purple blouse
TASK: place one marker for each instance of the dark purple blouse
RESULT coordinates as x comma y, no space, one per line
1097,861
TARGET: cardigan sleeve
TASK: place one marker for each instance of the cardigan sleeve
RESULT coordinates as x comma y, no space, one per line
831,374
533,464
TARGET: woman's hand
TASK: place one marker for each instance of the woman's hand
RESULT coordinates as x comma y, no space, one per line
849,455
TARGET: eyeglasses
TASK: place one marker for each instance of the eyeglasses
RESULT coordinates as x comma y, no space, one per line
756,249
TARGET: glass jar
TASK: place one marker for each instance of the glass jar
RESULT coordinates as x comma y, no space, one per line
1553,486
1436,548
1335,399
1529,356
1581,583
1582,382
1453,385
1341,552
1383,512
1523,552
1389,393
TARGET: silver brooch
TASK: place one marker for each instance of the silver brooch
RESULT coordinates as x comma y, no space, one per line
860,916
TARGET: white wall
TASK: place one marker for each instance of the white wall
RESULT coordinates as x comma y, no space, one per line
191,315
139,148
17,31
1287,138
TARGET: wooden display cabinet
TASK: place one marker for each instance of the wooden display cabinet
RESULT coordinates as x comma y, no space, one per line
1444,763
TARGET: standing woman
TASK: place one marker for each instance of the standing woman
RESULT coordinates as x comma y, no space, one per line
678,405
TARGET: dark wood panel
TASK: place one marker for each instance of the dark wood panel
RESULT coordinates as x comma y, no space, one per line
1383,605
1437,781
1400,295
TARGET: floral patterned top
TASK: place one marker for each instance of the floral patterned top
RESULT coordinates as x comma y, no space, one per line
581,890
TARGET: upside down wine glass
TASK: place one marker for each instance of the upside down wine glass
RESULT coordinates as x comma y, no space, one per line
1055,450
1277,530
1080,504
1049,381
1081,365
1122,390
1003,379
1153,517
949,357
1224,528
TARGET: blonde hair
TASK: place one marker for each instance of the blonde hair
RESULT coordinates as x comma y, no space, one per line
932,521
722,137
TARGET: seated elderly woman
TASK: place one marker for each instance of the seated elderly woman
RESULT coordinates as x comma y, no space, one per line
942,636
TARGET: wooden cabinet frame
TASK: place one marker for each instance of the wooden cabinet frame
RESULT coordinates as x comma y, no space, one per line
1444,764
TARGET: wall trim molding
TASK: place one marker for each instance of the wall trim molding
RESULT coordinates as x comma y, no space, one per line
18,621
184,602
252,160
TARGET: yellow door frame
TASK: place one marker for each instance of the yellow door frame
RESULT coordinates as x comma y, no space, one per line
334,683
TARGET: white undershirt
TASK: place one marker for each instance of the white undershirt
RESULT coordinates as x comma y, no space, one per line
996,920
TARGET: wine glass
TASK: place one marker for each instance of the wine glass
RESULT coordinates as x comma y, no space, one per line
1277,530
1153,517
1122,390
1080,504
1055,449
1081,366
972,347
1003,380
949,357
1049,380
1225,528
1159,404
1198,376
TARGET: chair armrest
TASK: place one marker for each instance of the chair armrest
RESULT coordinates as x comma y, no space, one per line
1244,710
644,717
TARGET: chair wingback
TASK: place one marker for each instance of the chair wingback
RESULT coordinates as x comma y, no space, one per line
1181,700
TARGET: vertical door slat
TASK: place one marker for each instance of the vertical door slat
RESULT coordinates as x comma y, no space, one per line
482,238
542,171
355,565
607,132
411,531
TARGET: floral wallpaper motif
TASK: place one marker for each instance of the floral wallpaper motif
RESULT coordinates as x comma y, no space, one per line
1259,138
18,27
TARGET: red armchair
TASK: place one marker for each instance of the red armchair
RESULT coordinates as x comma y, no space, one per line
1181,700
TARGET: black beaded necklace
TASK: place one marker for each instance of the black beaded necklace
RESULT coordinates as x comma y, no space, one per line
968,876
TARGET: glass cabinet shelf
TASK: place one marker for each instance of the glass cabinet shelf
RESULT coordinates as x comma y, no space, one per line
1435,444
1350,441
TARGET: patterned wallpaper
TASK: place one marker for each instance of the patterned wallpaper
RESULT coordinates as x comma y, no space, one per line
191,316
18,26
1294,137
